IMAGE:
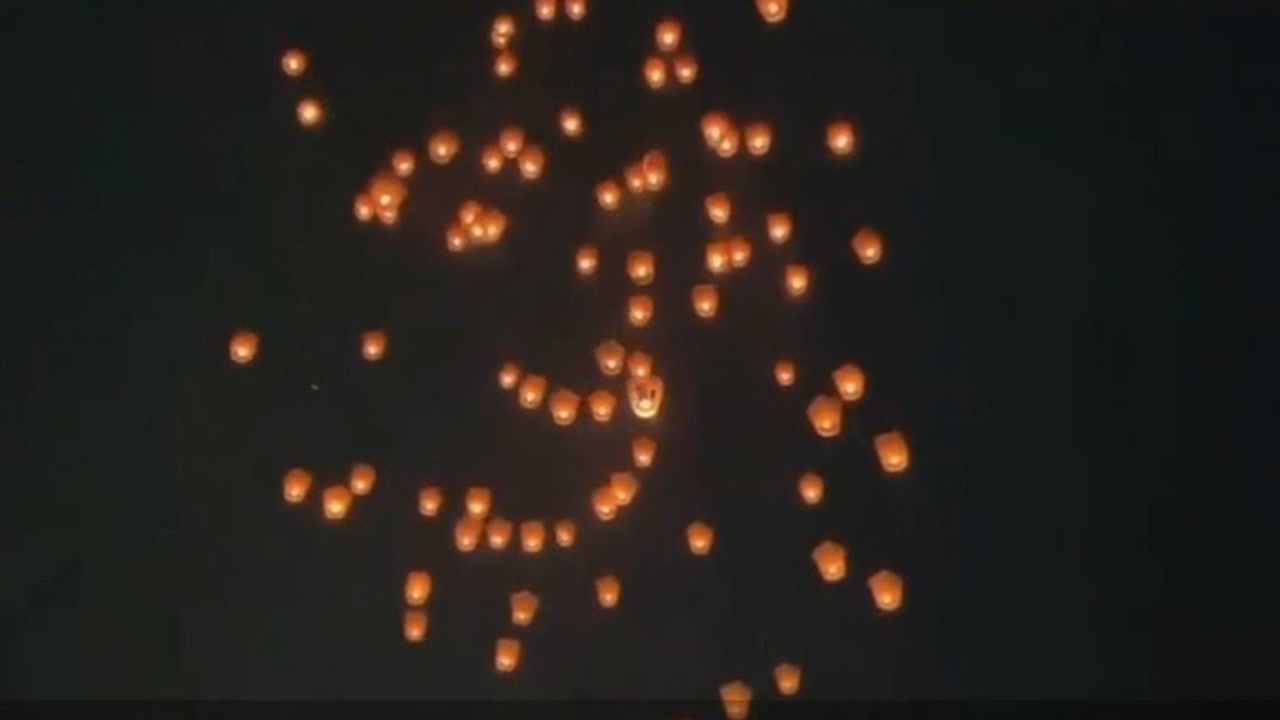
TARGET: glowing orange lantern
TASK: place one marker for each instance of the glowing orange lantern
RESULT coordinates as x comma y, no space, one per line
506,655
293,62
505,64
478,501
891,449
633,176
718,258
639,364
310,112
868,246
666,35
388,216
415,626
608,591
796,279
739,252
417,588
373,345
640,267
563,406
639,310
387,190
604,503
609,356
700,536
840,138
825,414
337,501
469,211
706,300
784,371
736,698
494,223
533,535
685,68
524,605
602,404
714,127
442,146
778,226
773,11
544,10
502,32
297,483
759,137
811,488
654,167
430,499
787,677
571,122
719,208
624,486
831,559
728,145
586,260
645,395
508,375
850,382
403,162
491,159
497,531
455,239
566,532
243,347
362,478
643,450
532,389
655,72
466,533
363,207
575,10
886,590
608,194
511,141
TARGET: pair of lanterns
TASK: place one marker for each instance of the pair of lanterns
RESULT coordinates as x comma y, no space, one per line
382,198
545,10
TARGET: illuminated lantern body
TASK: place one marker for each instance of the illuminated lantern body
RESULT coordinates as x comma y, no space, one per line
531,162
373,345
243,347
624,486
505,64
337,501
778,227
469,212
466,533
533,535
415,626
608,194
706,300
609,356
510,141
430,499
564,407
700,536
293,62
654,167
387,190
388,216
532,389
655,72
524,605
498,532
602,403
850,382
729,144
811,488
831,560
868,246
666,35
784,371
506,655
633,176
310,112
566,533
503,31
645,395
643,450
685,68
297,483
826,416
714,127
362,478
796,280
575,10
787,677
719,208
604,503
455,239
639,310
571,122
639,364
478,501
736,698
417,588
491,159
363,207
739,252
640,267
718,258
494,223
587,260
759,138
840,138
773,11
442,146
886,590
544,10
508,376
891,449
403,163
608,591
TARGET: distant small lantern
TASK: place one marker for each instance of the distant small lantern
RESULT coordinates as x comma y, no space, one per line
363,207
787,677
773,11
608,194
387,190
388,216
826,416
417,588
571,124
736,698
633,177
497,531
654,167
714,127
415,626
478,501
373,345
293,62
759,138
840,138
563,405
310,112
609,356
362,478
511,141
604,503
796,280
403,162
832,561
850,382
533,535
685,68
784,372
505,64
491,160
640,310
700,536
243,347
508,375
442,146
778,227
531,391
430,499
466,533
455,239
811,488
719,207
886,590
706,300
891,449
502,32
296,485
717,256
337,502
643,450
566,533
587,259
666,35
602,404
641,267
531,162
544,10
868,246
524,606
506,655
608,591
469,211
575,10
739,252
639,364
729,144
655,72
645,395
624,486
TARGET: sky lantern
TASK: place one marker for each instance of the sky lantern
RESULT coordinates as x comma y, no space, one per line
640,310
784,372
735,696
310,112
850,382
700,536
563,405
403,162
388,216
497,531
373,345
478,501
566,532
602,404
511,141
387,190
293,62
455,238
531,391
336,501
608,194
639,364
575,10
868,246
719,207
609,356
729,144
624,486
506,655
891,449
739,252
840,138
544,10
811,488
706,300
825,414
759,138
608,591
654,167
641,267
831,559
362,207
655,72
442,146
773,11
494,224
362,478
417,588
571,124
505,64
469,211
645,395
430,499
633,177
685,68
586,260
533,535
886,590
491,160
502,32
466,533
296,485
604,503
714,126
778,227
666,35
643,450
243,347
717,255
787,677
508,375
524,605
796,279
415,626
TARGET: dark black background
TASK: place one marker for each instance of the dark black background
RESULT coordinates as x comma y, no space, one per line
1072,324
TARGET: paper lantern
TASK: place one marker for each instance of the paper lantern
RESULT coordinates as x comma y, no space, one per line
506,655
608,194
640,267
455,239
850,382
655,72
645,395
773,11
717,255
624,486
654,168
714,127
511,141
891,449
639,310
796,279
831,559
296,485
602,404
840,138
531,162
666,35
608,591
811,488
524,605
564,407
587,259
604,503
571,124
729,144
508,375
497,531
478,501
643,450
310,112
609,356
442,146
566,532
469,211
387,190
403,162
886,590
700,536
363,207
243,347
868,246
685,68
759,138
544,10
336,501
373,345
531,391
362,478
784,372
466,533
787,677
575,10
505,64
778,227
494,224
639,364
633,177
417,588
826,415
735,696
293,62
430,499
415,626
706,300
388,216
719,208
491,159
739,252
502,32
533,535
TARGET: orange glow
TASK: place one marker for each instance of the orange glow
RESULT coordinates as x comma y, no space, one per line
442,146
719,207
388,216
739,252
243,347
654,167
586,260
571,122
510,141
502,32
714,127
701,536
566,533
831,560
505,64
602,403
430,500
337,502
640,310
706,301
811,488
728,145
778,225
524,605
310,112
415,626
491,160
773,11
417,588
455,239
759,138
666,35
633,176
645,395
639,364
736,698
478,501
575,10
466,533
362,478
643,451
655,72
362,207
531,391
891,449
508,375
608,591
787,677
564,407
685,68
531,162
403,162
840,138
624,486
886,590
544,10
506,654
784,372
608,194
717,255
640,267
850,382
293,62
387,190
604,503
825,414
497,531
296,485
373,345
868,246
609,356
796,279
533,535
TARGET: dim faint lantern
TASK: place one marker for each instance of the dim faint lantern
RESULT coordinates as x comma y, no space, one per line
714,126
831,559
508,375
719,208
729,144
363,207
362,478
640,310
608,193
455,239
388,216
243,347
403,162
891,449
602,404
524,605
736,698
373,345
491,159
868,246
639,364
415,626
666,35
544,10
566,532
442,146
787,677
739,252
811,488
706,300
571,122
624,486
608,590
640,267
511,141
310,112
886,590
784,372
655,72
700,536
840,138
850,382
773,11
654,167
506,655
497,531
532,389
759,137
430,499
337,501
778,227
502,32
645,395
533,535
575,10
417,588
563,406
466,533
826,415
586,260
604,503
297,483
478,501
796,279
685,68
643,450
293,62
505,64
609,356
633,177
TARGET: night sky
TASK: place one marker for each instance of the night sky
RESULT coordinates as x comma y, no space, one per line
1067,325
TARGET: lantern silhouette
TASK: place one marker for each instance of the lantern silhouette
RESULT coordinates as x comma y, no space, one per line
532,389
639,364
728,145
566,532
714,127
403,162
787,677
784,372
633,176
666,35
604,503
759,138
778,227
886,590
362,478
640,267
575,10
531,162
310,112
602,404
478,501
840,138
502,32
739,252
608,194
654,167
415,626
706,300
508,375
608,591
511,141
524,605
505,64
850,382
466,533
685,68
826,416
491,159
586,260
544,10
564,407
609,356
891,449
831,559
624,486
655,72
293,62
373,345
717,255
773,11
571,122
506,655
337,502
868,246
363,207
811,488
719,208
533,535
643,450
243,347
736,698
442,146
645,395
296,485
497,531
639,310
417,588
700,536
796,280
430,499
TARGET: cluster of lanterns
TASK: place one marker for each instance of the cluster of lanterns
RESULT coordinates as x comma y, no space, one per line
309,110
510,145
647,175
386,192
669,63
475,225
644,390
335,499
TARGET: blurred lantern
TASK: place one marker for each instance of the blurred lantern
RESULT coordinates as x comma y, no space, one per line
778,225
362,478
575,10
700,536
796,279
455,239
891,448
511,141
886,590
811,488
784,371
654,167
571,122
666,35
442,146
417,588
533,535
243,347
685,68
466,533
363,207
430,499
608,590
645,395
469,211
293,62
706,300
639,310
850,382
604,503
337,501
297,483
655,72
586,260
639,364
310,112
643,450
524,605
566,533
497,531
387,190
494,223
728,145
831,559
624,486
718,258
633,176
840,137
491,159
609,356
787,677
403,162
719,208
739,252
714,126
505,64
640,267
532,389
773,11
602,403
736,698
373,345
388,216
563,405
608,194
506,655
415,626
502,32
478,501
508,375
759,137
544,10
825,414
868,246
